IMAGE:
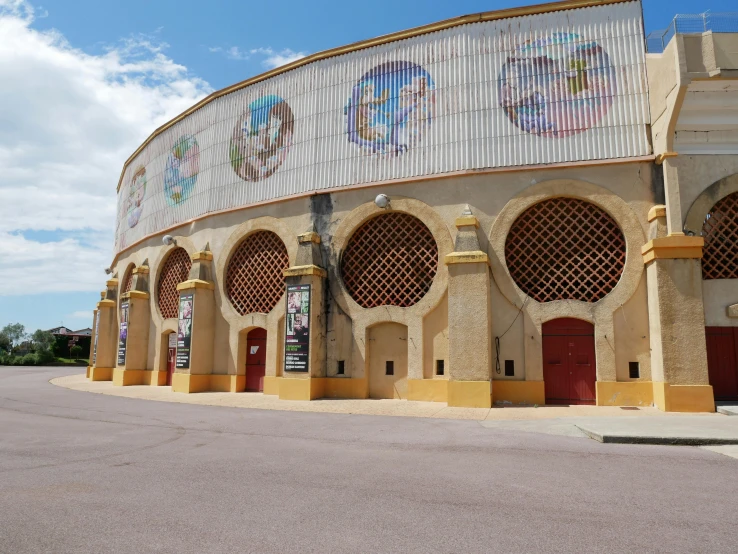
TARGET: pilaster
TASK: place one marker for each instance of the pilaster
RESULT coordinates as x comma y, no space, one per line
676,318
469,319
135,312
106,339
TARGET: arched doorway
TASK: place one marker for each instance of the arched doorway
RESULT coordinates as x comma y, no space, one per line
569,370
387,354
255,359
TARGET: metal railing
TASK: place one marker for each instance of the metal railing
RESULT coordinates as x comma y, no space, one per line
726,22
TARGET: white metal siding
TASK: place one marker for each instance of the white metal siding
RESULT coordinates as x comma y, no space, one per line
468,130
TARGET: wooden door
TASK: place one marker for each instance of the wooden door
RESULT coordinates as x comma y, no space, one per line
387,351
569,369
722,358
255,359
171,361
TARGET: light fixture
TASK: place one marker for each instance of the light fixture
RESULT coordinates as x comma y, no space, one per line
108,271
382,201
168,240
689,232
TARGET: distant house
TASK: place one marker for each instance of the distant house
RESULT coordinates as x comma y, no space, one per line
67,331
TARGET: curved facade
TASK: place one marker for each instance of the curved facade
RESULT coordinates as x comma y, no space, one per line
529,251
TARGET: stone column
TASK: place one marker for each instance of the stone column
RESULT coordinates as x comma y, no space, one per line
676,318
469,319
91,361
107,334
133,370
308,385
195,367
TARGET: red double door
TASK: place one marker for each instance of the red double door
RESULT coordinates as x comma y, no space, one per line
569,370
255,359
722,361
171,363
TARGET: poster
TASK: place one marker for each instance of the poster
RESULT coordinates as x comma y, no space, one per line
123,334
184,330
97,333
297,335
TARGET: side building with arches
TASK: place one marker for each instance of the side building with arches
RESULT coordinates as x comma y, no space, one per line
477,217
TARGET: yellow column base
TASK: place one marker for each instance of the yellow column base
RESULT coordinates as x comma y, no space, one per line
470,394
629,393
127,377
227,383
292,388
154,378
345,387
427,390
683,398
101,374
519,392
271,385
184,382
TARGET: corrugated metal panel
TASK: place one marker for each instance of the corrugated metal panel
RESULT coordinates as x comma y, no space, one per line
558,87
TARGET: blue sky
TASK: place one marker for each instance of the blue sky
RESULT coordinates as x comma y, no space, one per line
84,76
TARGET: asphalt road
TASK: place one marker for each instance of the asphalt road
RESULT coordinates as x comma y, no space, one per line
82,472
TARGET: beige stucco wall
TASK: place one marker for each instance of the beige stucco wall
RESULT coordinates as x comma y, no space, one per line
624,190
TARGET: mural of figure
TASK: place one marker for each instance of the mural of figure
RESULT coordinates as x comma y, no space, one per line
136,194
183,166
390,108
262,139
557,86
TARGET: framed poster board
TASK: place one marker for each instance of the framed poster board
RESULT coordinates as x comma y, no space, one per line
122,333
184,329
97,333
297,332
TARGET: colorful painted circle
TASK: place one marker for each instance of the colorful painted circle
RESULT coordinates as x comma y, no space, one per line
262,138
557,86
136,194
391,108
180,174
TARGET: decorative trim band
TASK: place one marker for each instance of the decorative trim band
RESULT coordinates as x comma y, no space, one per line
466,221
196,284
312,236
134,294
202,255
300,270
474,257
673,247
656,211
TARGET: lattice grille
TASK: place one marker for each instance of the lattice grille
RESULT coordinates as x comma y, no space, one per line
391,260
128,285
720,255
176,269
254,280
565,249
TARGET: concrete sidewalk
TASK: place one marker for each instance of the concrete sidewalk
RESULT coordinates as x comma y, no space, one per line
602,423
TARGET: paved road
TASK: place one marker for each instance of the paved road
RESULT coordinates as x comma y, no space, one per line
82,472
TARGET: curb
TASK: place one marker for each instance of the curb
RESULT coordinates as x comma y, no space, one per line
656,440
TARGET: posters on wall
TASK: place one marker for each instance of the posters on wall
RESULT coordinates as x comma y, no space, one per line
297,335
123,334
97,333
184,329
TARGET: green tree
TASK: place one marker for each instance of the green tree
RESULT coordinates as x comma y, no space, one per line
5,343
42,340
76,351
15,333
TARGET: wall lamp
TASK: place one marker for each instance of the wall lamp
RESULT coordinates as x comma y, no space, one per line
382,201
169,240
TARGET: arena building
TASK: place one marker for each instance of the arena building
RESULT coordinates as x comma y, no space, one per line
521,206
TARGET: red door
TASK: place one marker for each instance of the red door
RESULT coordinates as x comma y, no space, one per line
171,361
722,355
569,370
255,359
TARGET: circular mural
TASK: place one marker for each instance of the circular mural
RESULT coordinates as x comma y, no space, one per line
136,194
557,86
180,174
262,138
390,108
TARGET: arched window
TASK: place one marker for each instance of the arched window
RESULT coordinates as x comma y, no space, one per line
254,278
720,230
391,260
565,249
176,269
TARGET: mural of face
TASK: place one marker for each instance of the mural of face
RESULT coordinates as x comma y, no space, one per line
136,195
557,86
262,138
180,174
390,108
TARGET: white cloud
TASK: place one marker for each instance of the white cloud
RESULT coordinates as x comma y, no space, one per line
271,57
69,121
81,314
